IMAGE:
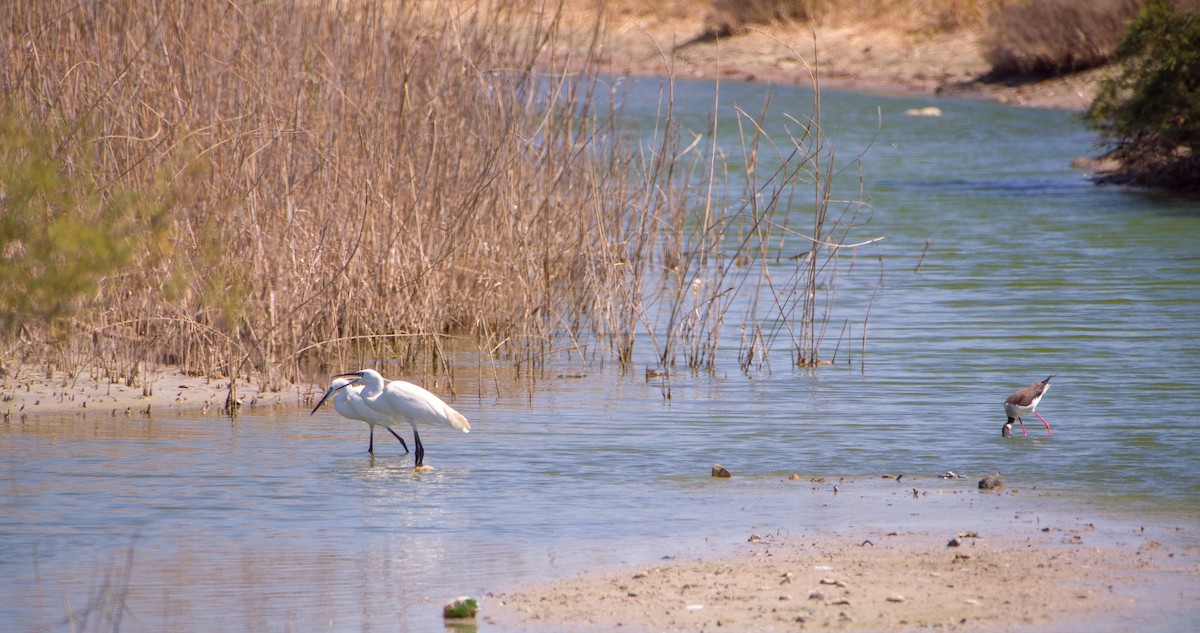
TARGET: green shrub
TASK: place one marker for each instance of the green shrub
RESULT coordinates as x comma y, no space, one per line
61,232
1149,114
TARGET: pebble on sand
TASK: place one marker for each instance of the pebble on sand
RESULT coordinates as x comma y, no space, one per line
991,482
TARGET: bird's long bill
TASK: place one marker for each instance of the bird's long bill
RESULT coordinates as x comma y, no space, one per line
328,392
332,390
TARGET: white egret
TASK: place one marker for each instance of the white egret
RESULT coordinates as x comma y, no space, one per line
403,401
348,401
1023,402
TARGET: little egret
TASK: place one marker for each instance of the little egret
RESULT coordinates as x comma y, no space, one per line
403,401
1023,402
348,401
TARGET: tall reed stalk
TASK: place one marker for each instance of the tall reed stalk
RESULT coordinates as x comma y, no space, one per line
340,184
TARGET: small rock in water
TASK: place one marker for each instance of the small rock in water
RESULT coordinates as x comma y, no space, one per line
926,111
991,482
460,608
720,471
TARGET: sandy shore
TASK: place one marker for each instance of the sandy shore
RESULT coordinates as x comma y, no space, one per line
884,583
1004,572
27,390
661,39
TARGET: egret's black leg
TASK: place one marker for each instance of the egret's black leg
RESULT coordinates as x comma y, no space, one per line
371,445
399,438
420,448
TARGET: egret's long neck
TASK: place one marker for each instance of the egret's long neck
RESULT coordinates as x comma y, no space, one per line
371,386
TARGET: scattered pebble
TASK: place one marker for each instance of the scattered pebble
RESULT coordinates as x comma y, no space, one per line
895,598
816,595
991,482
720,471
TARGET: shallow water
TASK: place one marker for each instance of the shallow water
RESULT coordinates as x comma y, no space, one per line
281,521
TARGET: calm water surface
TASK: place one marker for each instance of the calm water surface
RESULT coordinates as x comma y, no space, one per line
283,522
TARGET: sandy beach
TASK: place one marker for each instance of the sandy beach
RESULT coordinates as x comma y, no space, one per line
929,554
887,582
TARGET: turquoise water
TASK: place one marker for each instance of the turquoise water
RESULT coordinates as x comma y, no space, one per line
281,521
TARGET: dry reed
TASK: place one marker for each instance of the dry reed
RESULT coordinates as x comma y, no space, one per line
344,184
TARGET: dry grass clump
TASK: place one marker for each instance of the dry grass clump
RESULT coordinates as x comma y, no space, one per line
1054,37
729,17
338,184
350,173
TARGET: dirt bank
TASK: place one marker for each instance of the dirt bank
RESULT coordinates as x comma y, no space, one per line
28,390
658,39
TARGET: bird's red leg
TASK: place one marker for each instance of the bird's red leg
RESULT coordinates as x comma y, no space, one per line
1044,422
1023,433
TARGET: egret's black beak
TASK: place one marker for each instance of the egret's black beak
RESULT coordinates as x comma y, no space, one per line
331,391
328,392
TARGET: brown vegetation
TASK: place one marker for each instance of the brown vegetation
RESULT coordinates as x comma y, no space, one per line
921,15
1020,37
346,184
1055,37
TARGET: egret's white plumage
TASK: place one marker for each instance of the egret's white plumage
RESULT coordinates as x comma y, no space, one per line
401,401
347,400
